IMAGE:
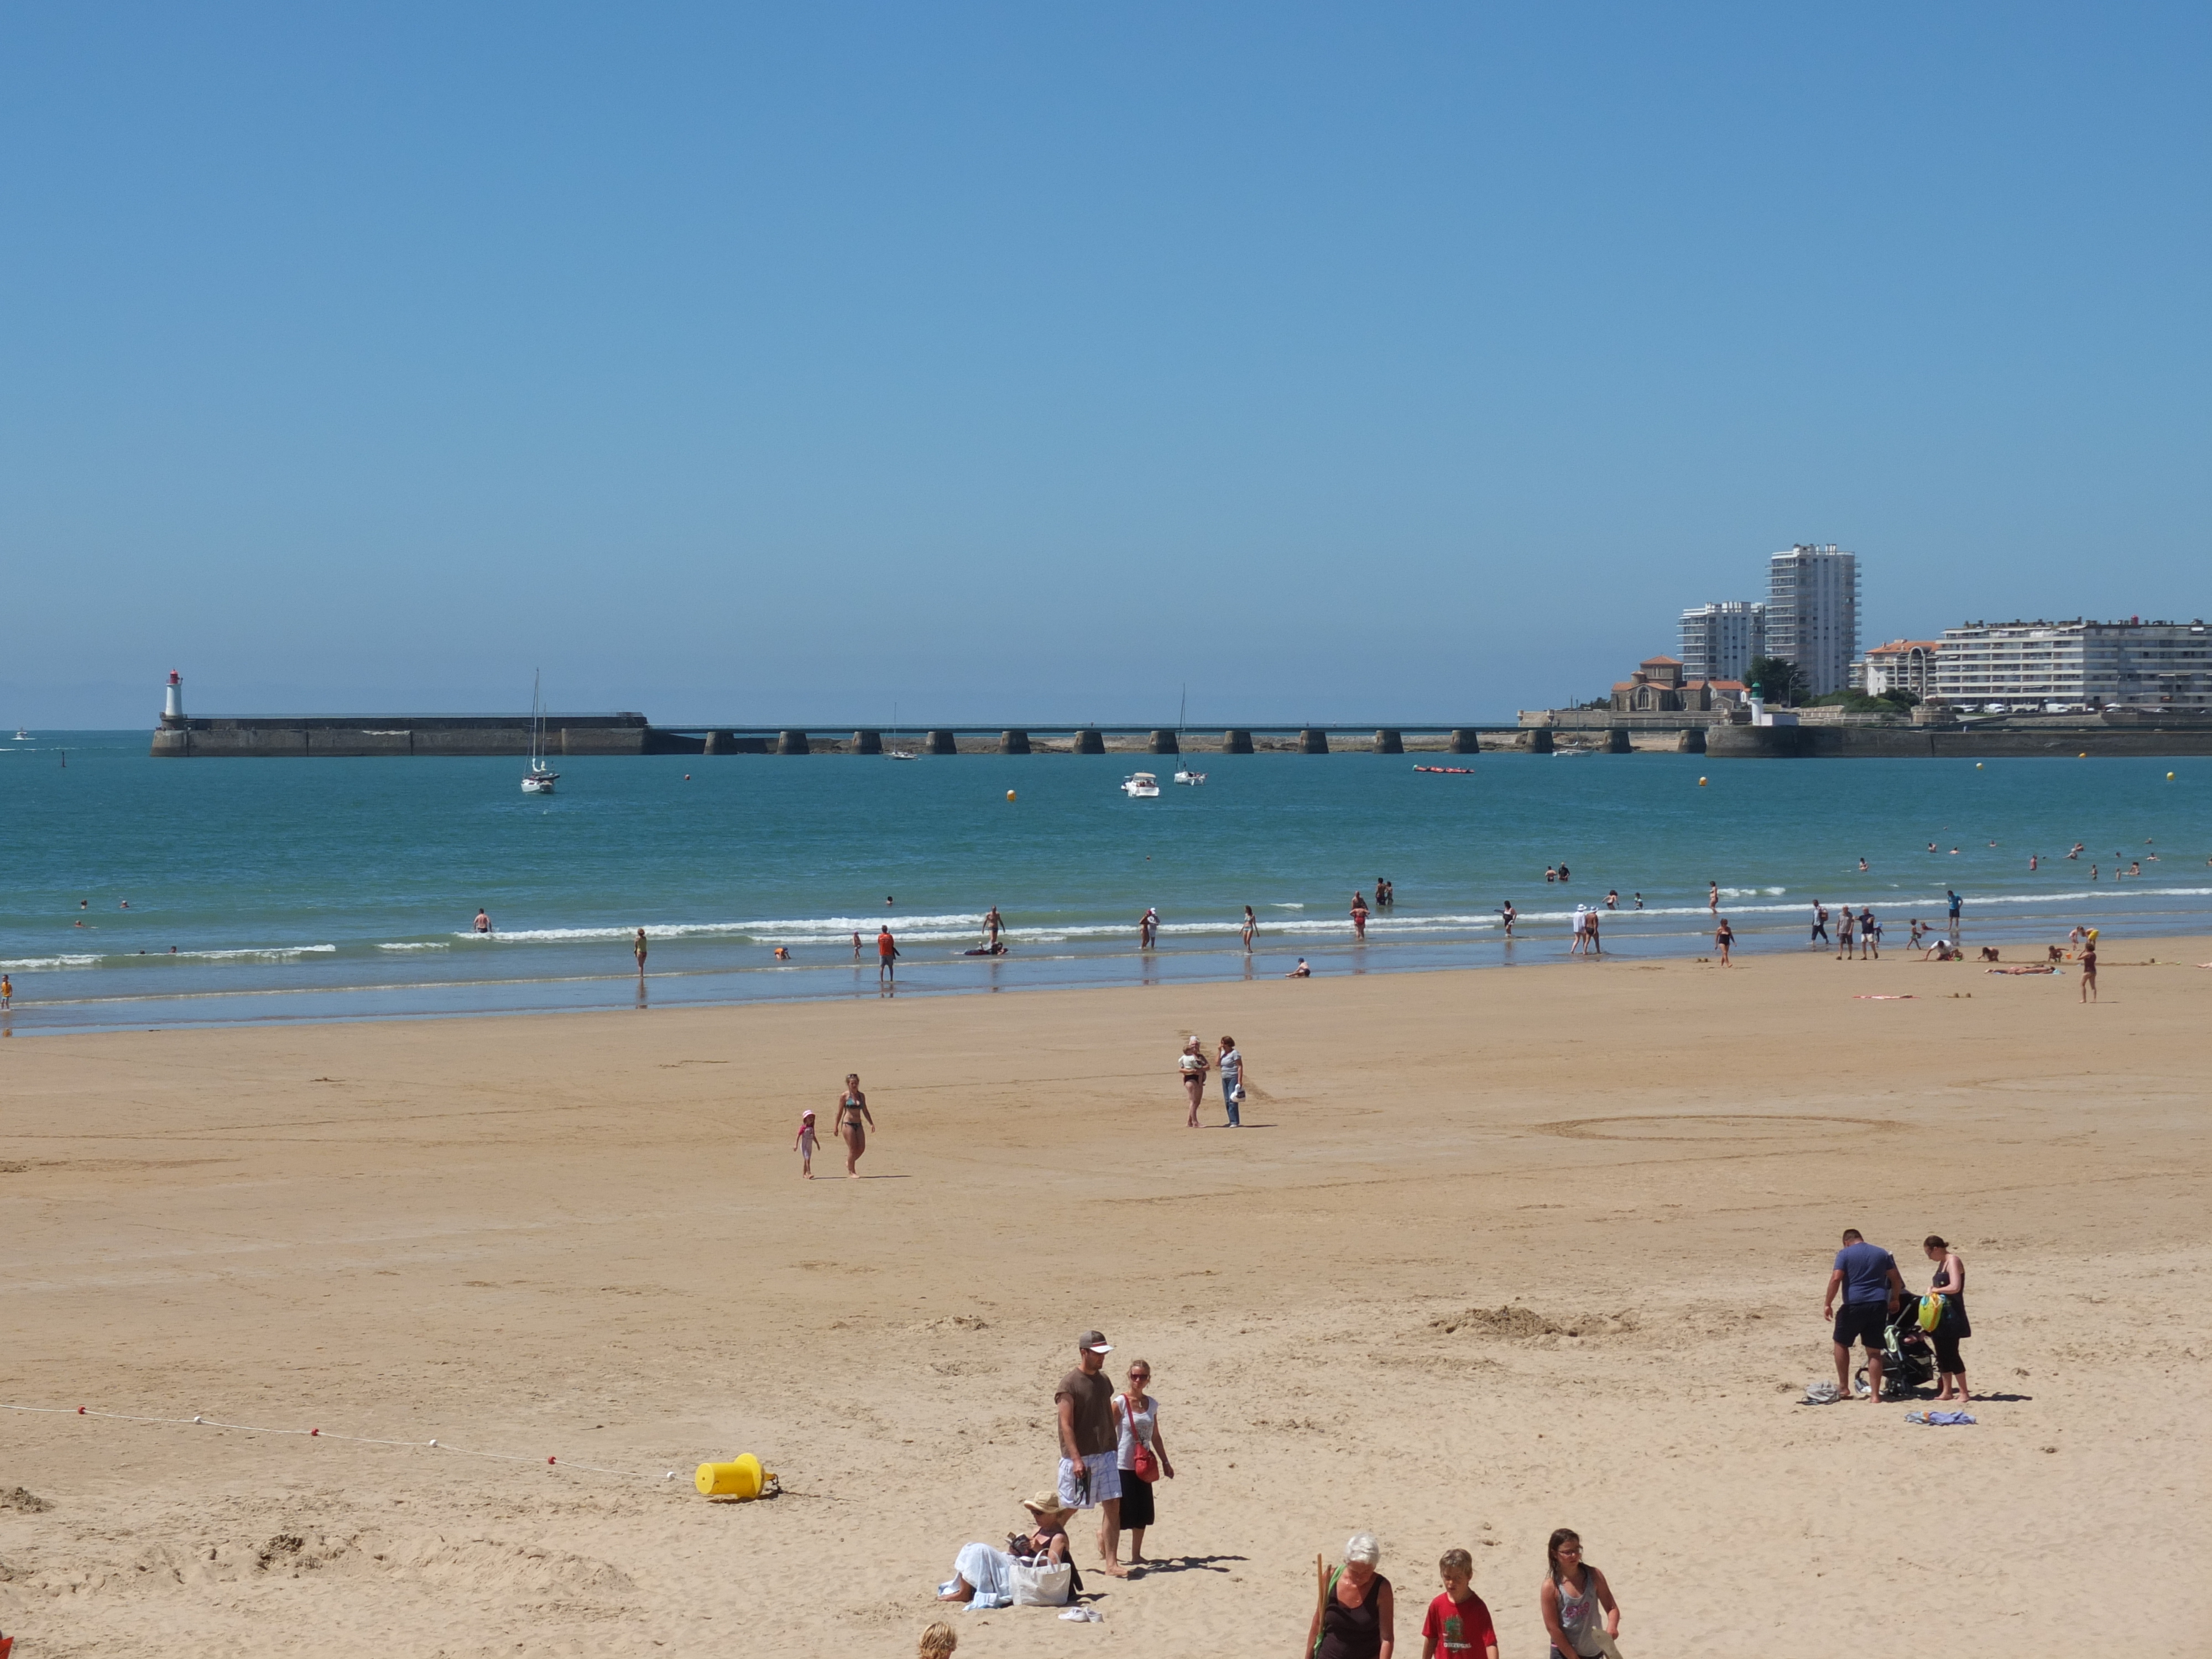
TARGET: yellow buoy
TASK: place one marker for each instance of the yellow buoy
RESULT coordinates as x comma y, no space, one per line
2169,777
740,1477
1701,783
2084,754
1977,766
1010,794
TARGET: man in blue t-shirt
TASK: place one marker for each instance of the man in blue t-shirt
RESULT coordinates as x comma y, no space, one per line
1867,1275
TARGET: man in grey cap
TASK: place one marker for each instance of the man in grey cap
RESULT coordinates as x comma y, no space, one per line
1089,1475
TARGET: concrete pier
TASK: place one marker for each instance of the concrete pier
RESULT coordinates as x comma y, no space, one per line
1236,741
1388,741
1616,741
1164,743
868,743
1089,741
1465,741
941,743
1013,742
1540,740
793,743
1312,740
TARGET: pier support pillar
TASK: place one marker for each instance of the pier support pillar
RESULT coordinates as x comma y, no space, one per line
1164,743
1540,739
1313,741
1465,742
941,743
868,743
1694,741
1013,742
1616,741
791,743
720,742
1235,742
1090,742
1387,741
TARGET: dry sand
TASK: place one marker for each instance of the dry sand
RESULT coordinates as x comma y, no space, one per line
585,1237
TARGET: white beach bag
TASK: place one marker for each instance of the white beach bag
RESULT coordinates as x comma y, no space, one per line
1041,1584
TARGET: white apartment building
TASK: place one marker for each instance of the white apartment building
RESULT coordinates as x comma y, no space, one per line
1720,639
2157,665
1812,614
1899,665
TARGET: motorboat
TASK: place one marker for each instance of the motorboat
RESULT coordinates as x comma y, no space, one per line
1460,771
540,778
22,736
1141,786
1186,775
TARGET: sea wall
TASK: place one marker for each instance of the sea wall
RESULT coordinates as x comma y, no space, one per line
311,736
1911,742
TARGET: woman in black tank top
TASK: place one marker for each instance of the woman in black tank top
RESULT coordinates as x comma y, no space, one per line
1356,1616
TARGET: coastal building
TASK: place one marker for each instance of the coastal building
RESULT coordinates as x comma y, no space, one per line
1720,639
1812,614
1659,686
1899,665
2094,665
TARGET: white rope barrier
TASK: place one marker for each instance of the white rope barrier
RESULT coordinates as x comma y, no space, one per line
327,1434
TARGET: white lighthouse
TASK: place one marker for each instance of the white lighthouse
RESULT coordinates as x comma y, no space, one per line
172,712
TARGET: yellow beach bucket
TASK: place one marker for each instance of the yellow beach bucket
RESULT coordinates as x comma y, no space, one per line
742,1477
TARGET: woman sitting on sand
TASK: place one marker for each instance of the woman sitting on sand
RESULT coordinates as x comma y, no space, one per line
980,1570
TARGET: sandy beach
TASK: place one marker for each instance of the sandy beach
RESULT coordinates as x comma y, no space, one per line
1498,1251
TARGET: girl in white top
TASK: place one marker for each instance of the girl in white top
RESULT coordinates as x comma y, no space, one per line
1192,1066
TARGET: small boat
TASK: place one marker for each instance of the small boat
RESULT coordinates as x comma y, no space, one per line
1456,771
1141,786
899,754
539,778
1183,774
21,736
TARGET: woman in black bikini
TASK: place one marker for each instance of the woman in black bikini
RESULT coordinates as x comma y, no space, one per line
852,1110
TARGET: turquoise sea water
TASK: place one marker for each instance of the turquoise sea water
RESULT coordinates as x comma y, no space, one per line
344,888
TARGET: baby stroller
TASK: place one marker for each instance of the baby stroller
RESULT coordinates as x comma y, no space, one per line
1908,1357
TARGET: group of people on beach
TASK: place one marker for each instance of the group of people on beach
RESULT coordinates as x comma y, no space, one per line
1355,1606
1193,1064
854,1120
1873,1294
1111,1453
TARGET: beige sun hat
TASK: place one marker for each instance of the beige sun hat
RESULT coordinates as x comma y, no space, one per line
1044,1503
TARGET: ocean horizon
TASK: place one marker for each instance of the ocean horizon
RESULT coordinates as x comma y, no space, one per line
146,894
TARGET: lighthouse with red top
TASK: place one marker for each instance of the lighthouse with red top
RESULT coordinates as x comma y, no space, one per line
172,712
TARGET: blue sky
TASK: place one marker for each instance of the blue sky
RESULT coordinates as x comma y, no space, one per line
1026,363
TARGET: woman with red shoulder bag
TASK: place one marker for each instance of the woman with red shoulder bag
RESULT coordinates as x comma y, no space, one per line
1143,1460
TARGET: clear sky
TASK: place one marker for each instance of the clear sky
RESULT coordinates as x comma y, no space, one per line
1027,362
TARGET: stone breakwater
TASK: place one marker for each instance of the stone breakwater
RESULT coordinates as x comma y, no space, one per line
334,735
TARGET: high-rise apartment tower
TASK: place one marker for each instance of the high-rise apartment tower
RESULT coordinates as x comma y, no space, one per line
1812,614
1720,639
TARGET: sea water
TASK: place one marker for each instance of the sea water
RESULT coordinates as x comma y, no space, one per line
142,893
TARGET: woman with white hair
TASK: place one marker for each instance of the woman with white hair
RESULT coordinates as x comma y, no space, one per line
1354,1618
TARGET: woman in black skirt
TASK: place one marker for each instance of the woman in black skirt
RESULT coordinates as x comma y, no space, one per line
1137,1420
1953,1328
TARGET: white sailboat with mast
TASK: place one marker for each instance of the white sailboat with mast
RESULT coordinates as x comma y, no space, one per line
1183,774
540,778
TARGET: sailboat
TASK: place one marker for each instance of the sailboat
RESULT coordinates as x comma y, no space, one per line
895,752
1183,774
539,778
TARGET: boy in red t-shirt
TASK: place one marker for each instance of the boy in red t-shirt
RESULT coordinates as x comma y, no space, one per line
1458,1626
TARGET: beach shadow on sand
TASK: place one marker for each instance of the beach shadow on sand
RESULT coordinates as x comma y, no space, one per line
1187,1564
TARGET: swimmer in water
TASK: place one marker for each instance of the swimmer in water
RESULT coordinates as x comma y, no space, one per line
782,954
1862,864
483,922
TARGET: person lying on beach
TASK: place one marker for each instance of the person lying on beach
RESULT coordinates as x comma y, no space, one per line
980,1570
